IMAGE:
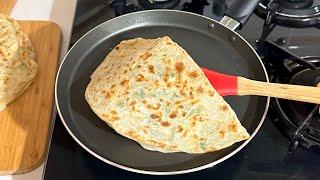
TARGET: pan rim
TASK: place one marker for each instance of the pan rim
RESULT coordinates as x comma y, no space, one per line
176,172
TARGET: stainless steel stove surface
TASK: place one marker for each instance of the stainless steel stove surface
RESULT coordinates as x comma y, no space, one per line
266,156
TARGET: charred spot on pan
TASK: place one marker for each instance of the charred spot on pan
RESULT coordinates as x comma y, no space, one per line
193,74
224,108
165,124
179,67
151,69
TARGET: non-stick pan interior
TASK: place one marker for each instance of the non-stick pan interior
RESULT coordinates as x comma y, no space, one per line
215,48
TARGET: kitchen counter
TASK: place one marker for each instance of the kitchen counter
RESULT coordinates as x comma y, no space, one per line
61,12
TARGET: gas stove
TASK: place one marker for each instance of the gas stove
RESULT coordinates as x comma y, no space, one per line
286,35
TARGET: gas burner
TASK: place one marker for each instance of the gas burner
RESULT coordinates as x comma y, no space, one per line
121,7
290,13
295,4
299,121
158,4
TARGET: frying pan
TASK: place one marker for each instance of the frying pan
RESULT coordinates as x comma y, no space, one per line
213,45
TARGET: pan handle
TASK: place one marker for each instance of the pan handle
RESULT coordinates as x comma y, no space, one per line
238,13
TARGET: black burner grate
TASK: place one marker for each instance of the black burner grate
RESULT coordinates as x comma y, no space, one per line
299,121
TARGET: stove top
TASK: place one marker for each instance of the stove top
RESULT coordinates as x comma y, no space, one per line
284,147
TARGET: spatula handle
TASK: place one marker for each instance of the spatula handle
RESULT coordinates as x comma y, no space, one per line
285,91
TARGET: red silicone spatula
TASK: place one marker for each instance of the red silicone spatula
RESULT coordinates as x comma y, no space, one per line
236,85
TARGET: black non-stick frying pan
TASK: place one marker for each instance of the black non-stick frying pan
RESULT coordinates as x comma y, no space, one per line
211,44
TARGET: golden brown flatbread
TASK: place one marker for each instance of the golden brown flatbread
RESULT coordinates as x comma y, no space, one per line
17,65
151,91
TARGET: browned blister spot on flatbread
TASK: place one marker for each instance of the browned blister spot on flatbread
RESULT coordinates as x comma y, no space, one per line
191,94
179,67
233,127
124,82
200,90
211,93
140,78
195,101
193,74
223,108
179,128
151,69
156,116
222,133
113,112
165,124
156,143
117,47
132,105
153,106
173,114
109,94
166,73
146,55
184,133
144,130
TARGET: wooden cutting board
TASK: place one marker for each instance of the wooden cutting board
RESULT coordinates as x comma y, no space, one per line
26,123
6,6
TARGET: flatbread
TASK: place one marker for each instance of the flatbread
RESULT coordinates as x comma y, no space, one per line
151,91
17,65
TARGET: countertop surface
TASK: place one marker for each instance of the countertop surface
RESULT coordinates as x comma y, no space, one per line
62,13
